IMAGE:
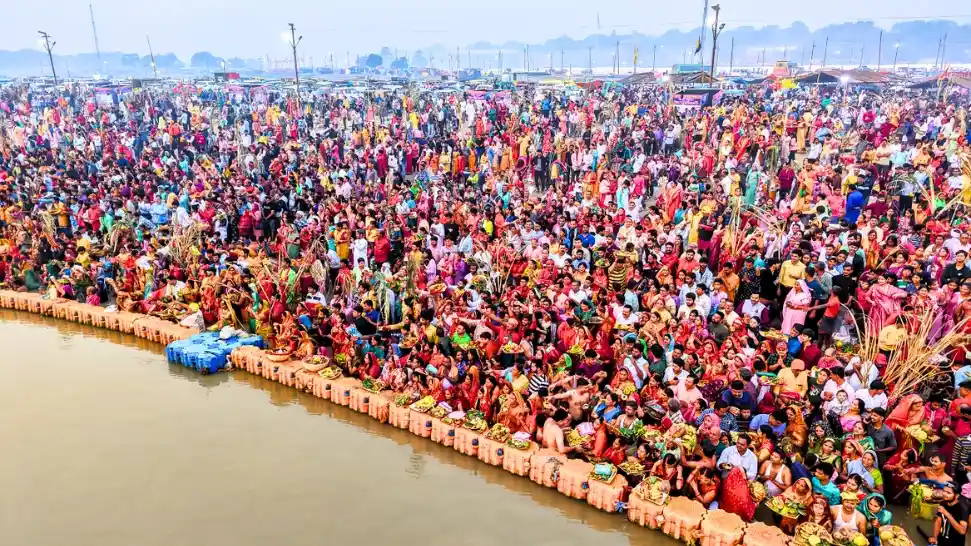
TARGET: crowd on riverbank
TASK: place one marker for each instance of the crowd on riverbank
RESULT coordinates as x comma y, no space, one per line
774,289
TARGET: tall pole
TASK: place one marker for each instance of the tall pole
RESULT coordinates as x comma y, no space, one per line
785,52
49,46
526,58
94,30
590,59
943,49
715,29
896,49
635,59
763,57
862,49
654,60
825,51
812,52
731,57
879,51
562,56
152,55
937,54
617,57
701,40
500,61
294,41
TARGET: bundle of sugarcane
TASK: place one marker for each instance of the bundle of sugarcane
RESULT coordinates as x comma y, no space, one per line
117,234
412,270
919,358
48,225
868,347
382,299
184,243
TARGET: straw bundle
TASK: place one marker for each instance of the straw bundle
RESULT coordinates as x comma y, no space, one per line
181,244
917,360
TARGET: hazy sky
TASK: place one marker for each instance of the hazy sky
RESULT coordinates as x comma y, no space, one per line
252,28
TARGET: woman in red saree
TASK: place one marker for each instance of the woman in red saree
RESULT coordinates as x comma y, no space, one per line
907,413
603,340
469,390
670,200
735,496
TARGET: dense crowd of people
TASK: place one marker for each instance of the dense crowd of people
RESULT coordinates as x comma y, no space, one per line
712,296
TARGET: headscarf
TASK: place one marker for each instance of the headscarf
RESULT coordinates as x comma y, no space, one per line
816,443
904,414
710,427
791,494
883,516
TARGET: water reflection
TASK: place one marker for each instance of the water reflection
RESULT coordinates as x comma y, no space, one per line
164,450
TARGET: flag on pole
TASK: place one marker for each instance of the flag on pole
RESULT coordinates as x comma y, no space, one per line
698,45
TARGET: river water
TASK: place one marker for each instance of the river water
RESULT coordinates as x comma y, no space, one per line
104,443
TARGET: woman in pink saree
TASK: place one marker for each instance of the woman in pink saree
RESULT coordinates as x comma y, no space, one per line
797,303
884,299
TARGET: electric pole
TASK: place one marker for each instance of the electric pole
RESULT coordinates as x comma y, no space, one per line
896,49
731,57
862,49
94,30
152,55
715,31
943,49
294,42
654,60
812,52
879,51
49,46
590,59
617,57
526,59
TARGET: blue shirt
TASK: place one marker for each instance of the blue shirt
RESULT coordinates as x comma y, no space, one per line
744,401
830,491
763,419
962,374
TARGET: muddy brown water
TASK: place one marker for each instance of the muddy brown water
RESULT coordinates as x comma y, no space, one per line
104,443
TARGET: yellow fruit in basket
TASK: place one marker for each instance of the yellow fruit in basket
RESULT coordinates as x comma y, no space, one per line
886,535
860,540
814,540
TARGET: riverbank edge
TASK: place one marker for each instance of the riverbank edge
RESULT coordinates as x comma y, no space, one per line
680,518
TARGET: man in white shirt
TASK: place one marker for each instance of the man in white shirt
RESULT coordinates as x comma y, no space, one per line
835,384
874,397
741,456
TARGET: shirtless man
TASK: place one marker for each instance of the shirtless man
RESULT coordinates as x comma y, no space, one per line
551,434
577,398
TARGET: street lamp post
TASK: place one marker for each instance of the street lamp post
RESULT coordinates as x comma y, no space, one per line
294,42
654,61
896,49
715,31
49,46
